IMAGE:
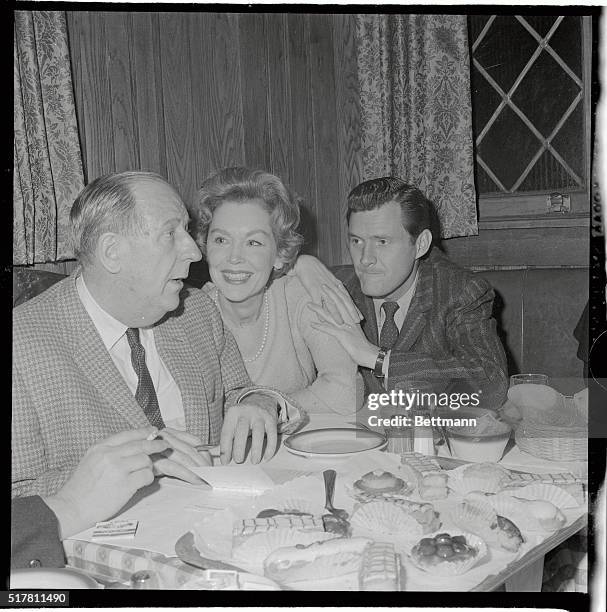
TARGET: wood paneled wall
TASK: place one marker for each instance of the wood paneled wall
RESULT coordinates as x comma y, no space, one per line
186,93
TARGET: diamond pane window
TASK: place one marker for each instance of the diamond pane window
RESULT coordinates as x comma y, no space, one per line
528,103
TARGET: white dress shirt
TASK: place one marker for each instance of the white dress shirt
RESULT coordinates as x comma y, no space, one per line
113,336
404,301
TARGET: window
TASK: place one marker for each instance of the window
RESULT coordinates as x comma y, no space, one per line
530,95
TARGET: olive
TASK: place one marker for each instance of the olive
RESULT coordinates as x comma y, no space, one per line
444,551
426,549
442,538
459,548
459,539
426,542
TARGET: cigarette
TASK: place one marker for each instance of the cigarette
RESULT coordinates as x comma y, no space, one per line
212,449
153,435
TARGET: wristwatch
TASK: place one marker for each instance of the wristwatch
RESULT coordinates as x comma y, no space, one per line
379,363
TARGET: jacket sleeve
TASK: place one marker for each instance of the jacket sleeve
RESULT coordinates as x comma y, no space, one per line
30,472
334,389
473,359
234,374
34,534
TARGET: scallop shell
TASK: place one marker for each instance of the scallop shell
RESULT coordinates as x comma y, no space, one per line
546,492
456,568
472,513
480,518
552,523
385,518
514,509
463,484
480,496
489,483
255,549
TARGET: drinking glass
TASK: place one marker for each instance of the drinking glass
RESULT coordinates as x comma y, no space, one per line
421,437
534,379
525,401
400,438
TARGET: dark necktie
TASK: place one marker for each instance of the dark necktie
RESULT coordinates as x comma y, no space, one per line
145,394
389,331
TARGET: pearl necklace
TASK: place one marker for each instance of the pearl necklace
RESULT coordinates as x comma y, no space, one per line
266,326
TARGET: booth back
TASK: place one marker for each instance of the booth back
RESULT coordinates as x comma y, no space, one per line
537,310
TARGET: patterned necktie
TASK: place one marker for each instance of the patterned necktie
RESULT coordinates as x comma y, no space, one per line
145,394
389,331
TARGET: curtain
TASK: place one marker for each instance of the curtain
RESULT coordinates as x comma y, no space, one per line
414,79
47,161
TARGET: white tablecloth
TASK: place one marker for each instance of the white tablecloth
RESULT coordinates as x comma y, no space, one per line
170,508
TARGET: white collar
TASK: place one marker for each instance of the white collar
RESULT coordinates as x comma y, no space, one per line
109,328
403,301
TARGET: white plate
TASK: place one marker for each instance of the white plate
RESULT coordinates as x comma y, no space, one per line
247,582
51,578
186,550
334,442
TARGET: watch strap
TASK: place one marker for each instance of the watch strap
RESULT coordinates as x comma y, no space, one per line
379,363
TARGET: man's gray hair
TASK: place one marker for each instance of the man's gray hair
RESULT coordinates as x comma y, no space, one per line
107,204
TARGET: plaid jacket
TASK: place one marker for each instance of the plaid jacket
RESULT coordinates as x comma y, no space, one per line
68,394
448,337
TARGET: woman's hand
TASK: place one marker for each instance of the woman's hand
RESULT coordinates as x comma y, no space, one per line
314,276
336,319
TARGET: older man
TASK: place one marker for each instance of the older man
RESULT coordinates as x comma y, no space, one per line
427,322
116,346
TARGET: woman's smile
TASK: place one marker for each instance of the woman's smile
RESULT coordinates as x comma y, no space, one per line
236,278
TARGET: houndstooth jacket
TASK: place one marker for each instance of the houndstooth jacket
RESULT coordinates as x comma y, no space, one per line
448,338
68,394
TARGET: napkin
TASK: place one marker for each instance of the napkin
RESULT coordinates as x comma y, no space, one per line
250,479
541,404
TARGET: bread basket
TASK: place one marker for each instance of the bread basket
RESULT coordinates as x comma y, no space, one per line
553,442
563,439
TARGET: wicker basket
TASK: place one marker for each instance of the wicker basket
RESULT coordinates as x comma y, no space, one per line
551,442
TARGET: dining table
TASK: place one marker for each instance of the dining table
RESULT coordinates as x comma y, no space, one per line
168,510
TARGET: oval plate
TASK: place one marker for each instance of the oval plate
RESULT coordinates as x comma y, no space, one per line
52,578
334,442
186,550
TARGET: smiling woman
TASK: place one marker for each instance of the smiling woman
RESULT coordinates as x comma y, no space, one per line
248,223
